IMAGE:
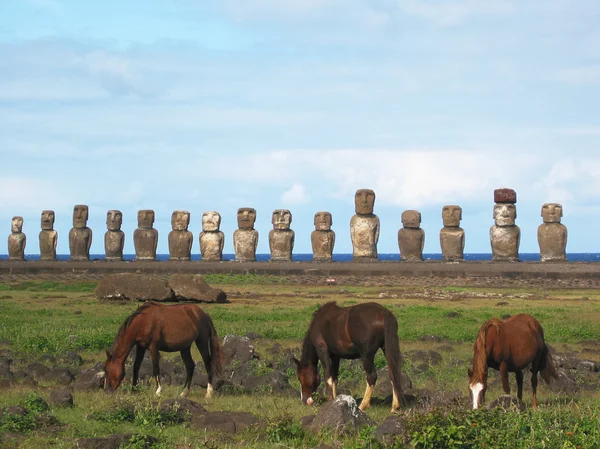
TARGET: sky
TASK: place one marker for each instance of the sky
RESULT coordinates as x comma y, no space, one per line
208,105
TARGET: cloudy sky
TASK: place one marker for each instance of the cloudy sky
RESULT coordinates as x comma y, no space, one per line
215,105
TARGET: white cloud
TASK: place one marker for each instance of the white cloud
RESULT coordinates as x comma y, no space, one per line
295,195
23,195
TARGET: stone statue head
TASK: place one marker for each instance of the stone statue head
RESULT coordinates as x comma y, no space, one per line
246,216
323,221
180,220
17,224
364,201
451,215
411,219
281,219
552,212
211,221
145,218
505,214
48,220
80,216
114,220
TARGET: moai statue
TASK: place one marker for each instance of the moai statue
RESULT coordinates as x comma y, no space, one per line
114,238
364,227
505,235
16,240
245,238
452,236
552,234
322,238
211,238
281,237
180,239
80,236
145,237
411,238
48,236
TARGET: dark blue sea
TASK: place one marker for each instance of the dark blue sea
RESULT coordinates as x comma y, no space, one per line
532,257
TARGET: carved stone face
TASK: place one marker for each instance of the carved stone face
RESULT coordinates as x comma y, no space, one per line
323,221
145,218
505,214
411,219
364,201
281,219
552,212
246,216
211,221
47,220
451,215
80,216
180,220
114,220
17,224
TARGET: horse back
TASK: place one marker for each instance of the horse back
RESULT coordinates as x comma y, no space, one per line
171,324
522,338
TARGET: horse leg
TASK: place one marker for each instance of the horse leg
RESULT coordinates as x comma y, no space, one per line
206,358
369,366
534,383
155,367
519,375
335,369
504,376
186,355
139,358
324,357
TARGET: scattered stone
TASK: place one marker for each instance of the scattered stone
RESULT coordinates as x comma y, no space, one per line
61,398
452,315
427,357
226,422
194,288
502,303
117,441
237,348
90,379
37,370
48,359
62,376
341,416
185,408
71,358
390,429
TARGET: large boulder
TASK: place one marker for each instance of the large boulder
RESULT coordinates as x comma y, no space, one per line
194,288
224,422
131,286
341,416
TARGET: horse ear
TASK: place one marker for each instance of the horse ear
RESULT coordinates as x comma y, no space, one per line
297,362
470,372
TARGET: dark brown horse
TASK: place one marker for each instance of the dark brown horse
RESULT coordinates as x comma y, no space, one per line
510,346
158,327
349,333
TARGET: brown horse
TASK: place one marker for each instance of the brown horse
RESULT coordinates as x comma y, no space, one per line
349,333
159,327
510,346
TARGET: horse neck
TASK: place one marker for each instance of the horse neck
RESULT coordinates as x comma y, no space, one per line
309,352
124,342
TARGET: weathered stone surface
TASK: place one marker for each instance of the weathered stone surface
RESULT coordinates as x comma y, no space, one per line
114,238
225,422
16,240
80,236
61,397
90,379
37,370
505,195
211,239
180,239
145,237
194,288
245,238
59,375
391,428
237,348
507,402
452,236
552,234
281,237
185,409
364,227
322,238
505,236
411,238
341,416
133,286
364,201
48,236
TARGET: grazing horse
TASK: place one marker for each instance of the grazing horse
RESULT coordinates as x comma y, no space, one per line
349,333
159,327
510,346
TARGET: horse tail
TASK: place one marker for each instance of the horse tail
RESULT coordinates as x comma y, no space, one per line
547,368
393,355
216,351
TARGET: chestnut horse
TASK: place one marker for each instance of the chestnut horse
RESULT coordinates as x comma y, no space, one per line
510,346
349,333
159,327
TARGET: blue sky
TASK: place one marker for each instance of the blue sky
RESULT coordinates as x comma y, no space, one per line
215,105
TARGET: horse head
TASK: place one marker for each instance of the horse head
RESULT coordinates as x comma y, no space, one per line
114,373
477,388
309,378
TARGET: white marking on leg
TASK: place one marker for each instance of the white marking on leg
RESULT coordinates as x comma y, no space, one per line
395,401
334,390
209,391
159,389
309,401
185,392
366,401
476,390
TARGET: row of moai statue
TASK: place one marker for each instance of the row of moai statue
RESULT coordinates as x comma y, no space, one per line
364,232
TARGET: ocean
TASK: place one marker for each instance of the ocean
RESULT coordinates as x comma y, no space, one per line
526,257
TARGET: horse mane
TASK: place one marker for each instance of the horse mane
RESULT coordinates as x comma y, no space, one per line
127,323
480,352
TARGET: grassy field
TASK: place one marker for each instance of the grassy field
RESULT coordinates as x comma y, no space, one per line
40,318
